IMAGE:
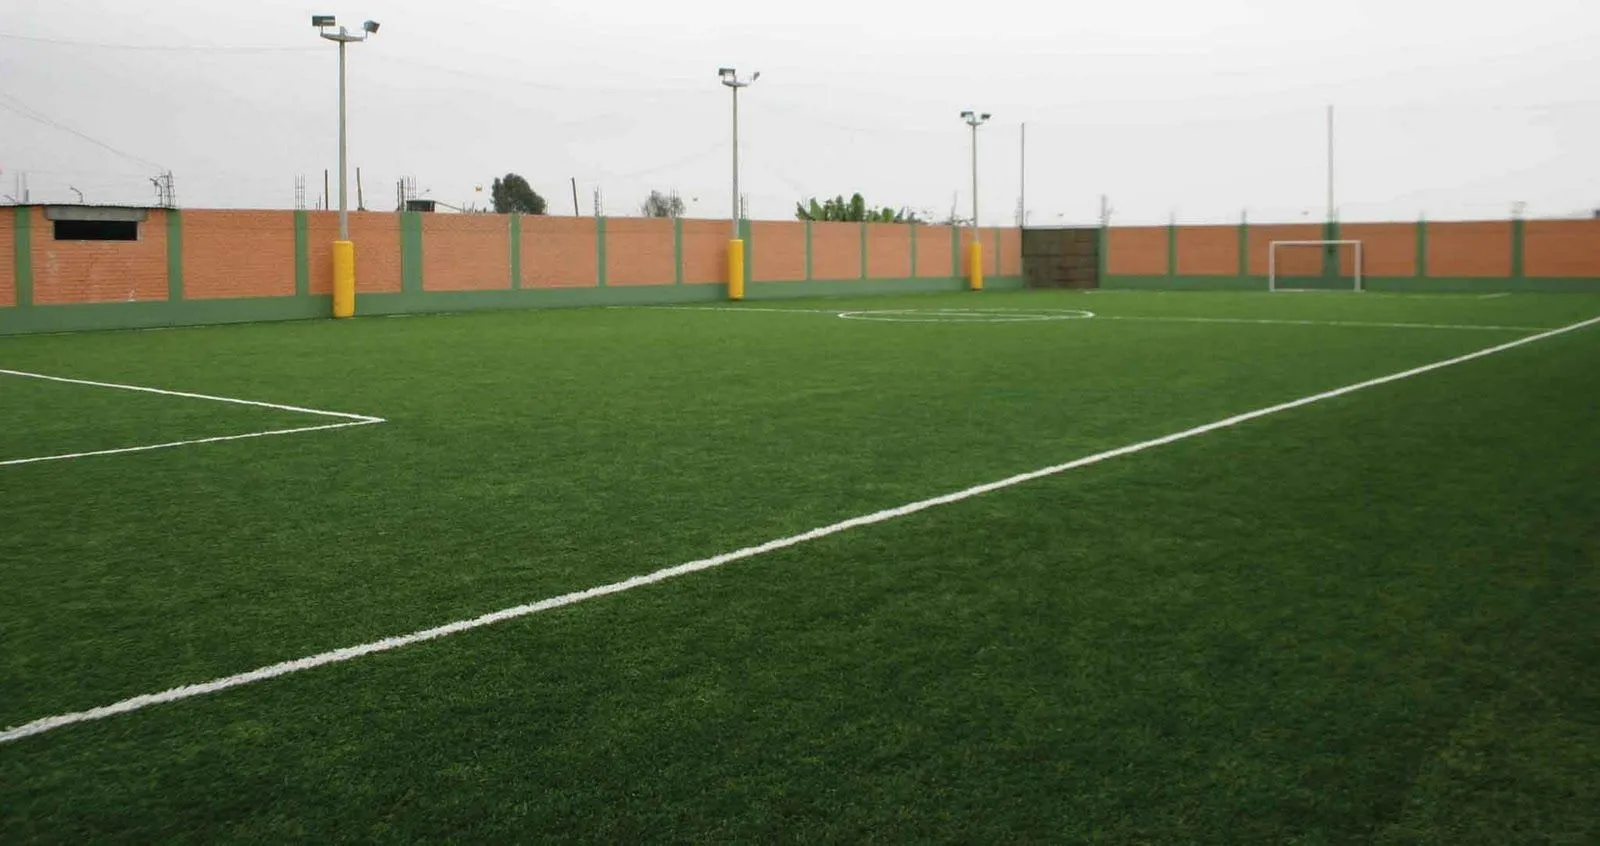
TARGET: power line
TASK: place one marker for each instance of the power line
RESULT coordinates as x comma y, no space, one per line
16,106
161,48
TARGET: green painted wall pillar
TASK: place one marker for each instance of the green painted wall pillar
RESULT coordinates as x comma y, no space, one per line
1103,255
1519,232
174,255
913,226
863,226
1244,248
677,251
302,254
749,249
410,252
516,251
1422,249
1172,249
1330,253
22,256
600,251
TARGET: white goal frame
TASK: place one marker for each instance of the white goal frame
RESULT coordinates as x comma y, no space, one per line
1272,260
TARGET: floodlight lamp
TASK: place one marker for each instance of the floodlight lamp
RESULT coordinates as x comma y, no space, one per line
371,27
321,21
725,71
966,114
986,116
756,77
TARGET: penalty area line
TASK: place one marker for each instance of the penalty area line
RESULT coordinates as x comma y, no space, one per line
176,694
13,462
362,418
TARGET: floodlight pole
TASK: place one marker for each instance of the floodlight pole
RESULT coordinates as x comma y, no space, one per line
736,209
975,119
730,78
344,295
344,205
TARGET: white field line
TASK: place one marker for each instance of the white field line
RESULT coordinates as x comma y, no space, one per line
1238,320
147,447
1360,323
340,414
45,724
1494,296
353,419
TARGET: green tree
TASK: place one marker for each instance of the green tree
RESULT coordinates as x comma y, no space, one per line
853,210
512,194
659,204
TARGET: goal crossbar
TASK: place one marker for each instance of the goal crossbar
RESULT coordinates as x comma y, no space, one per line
1272,259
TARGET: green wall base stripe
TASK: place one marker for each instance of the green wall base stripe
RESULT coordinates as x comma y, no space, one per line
141,315
157,313
1379,284
174,255
22,257
302,253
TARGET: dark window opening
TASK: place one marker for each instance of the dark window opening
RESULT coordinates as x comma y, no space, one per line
97,230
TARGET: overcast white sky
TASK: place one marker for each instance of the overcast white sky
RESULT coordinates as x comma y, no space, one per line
1455,109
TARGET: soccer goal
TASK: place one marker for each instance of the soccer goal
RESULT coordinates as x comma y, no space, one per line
1314,266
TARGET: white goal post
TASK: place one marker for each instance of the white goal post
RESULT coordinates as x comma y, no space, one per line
1272,260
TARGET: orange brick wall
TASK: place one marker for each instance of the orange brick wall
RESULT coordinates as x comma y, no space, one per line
836,251
1292,261
8,258
466,252
1137,251
1011,252
238,254
777,252
933,252
639,252
377,239
1469,249
1208,251
99,271
705,250
559,252
888,251
1387,249
1556,248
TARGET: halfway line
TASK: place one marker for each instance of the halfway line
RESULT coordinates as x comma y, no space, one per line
45,724
1098,316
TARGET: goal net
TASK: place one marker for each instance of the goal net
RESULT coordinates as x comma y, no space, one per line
1314,266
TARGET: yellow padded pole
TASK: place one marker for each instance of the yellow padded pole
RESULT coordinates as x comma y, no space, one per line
736,270
975,265
344,279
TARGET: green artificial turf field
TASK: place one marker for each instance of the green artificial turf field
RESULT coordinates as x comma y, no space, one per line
1371,618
